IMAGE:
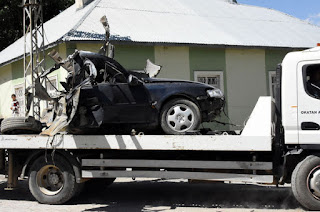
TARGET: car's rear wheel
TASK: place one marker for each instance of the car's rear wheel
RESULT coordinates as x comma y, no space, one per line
179,116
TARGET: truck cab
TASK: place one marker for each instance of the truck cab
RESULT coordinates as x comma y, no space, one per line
300,99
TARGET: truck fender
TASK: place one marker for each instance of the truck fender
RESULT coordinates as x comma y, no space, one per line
290,159
76,165
71,159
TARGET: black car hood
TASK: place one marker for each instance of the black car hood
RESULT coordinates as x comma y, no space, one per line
159,80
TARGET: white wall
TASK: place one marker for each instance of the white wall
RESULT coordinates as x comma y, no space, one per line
6,89
246,81
174,61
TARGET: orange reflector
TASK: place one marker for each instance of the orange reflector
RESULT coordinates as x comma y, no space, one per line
294,106
318,44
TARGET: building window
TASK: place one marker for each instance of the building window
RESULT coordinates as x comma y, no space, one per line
19,92
213,78
52,85
272,83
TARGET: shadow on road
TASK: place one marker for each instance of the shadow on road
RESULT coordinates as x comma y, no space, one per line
141,195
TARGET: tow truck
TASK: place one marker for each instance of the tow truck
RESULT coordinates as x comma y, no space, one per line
279,144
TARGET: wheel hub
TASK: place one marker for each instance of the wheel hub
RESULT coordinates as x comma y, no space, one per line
180,118
50,180
53,179
314,182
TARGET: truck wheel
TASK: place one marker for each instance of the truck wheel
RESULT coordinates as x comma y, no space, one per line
98,184
179,116
305,182
20,125
52,182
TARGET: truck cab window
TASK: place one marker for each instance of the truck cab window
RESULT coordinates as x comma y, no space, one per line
312,80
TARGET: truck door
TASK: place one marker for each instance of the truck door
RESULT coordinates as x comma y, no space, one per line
308,81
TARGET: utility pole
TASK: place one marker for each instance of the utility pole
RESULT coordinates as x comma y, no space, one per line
34,54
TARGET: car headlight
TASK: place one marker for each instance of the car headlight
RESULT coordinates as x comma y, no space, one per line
215,93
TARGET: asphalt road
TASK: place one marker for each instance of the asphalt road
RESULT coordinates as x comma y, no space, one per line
160,195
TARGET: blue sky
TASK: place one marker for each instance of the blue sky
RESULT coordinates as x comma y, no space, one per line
304,9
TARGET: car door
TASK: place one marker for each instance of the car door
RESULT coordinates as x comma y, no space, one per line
308,104
129,104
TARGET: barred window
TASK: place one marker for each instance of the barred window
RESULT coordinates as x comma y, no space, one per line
214,78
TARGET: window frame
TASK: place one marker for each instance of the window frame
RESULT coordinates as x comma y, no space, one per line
209,73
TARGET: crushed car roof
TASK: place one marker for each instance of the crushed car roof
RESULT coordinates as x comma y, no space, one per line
214,22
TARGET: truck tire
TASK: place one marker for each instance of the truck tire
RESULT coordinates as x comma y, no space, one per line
20,125
179,116
52,182
305,182
98,184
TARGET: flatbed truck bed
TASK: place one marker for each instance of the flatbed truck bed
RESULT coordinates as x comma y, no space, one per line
252,138
145,155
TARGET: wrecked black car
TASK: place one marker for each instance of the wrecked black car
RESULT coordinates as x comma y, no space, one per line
112,98
102,97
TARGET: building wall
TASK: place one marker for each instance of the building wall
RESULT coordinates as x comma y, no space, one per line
246,81
17,67
134,57
12,76
6,89
17,72
174,61
130,57
273,58
92,47
211,60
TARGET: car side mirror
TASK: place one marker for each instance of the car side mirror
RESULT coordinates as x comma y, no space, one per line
134,81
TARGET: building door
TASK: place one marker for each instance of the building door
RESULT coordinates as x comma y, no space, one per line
19,92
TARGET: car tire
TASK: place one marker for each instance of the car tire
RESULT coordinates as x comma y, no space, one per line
20,125
304,177
179,116
52,181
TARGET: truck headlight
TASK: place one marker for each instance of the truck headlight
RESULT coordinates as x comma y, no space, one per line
215,93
